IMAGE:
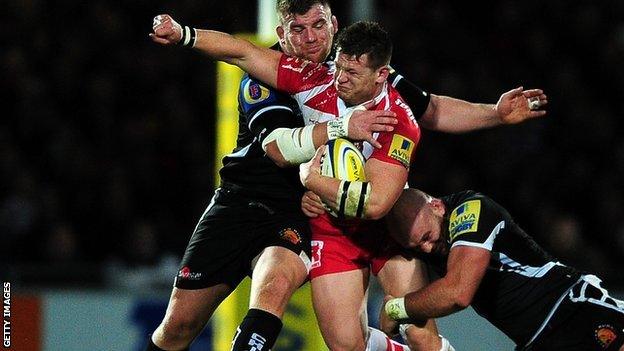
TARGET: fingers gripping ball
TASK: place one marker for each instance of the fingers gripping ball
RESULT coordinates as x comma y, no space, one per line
344,161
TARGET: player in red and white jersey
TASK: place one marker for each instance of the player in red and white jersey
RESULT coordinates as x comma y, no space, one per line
345,253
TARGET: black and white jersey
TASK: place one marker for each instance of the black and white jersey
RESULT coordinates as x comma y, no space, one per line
248,169
522,283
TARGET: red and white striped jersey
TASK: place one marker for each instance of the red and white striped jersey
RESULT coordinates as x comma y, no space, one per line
312,86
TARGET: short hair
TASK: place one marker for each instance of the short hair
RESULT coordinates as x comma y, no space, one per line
401,217
297,7
366,37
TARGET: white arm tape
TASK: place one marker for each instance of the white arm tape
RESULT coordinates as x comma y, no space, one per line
339,128
296,145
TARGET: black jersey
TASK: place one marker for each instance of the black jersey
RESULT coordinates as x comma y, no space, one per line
248,168
522,283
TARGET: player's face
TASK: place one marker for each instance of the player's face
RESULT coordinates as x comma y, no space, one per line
356,82
308,36
426,232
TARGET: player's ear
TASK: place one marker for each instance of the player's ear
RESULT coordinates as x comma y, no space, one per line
334,21
382,74
280,34
438,206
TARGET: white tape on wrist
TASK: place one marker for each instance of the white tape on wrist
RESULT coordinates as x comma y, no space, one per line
339,128
189,36
296,145
403,330
395,309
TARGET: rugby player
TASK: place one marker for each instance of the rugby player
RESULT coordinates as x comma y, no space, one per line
487,261
306,29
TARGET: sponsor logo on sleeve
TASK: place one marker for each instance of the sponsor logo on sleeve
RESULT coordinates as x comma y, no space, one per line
401,149
464,218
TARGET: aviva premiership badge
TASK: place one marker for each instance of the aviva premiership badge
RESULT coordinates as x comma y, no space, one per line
401,149
464,218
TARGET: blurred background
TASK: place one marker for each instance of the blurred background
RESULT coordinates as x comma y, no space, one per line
107,141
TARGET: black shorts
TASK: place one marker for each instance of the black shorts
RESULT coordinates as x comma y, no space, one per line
587,320
232,232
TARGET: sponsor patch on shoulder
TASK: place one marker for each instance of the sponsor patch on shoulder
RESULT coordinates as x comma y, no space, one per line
401,149
464,218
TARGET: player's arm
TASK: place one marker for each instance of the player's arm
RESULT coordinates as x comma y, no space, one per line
292,146
369,200
451,115
466,267
257,61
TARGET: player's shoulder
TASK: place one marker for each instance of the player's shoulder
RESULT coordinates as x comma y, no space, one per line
254,94
399,106
467,209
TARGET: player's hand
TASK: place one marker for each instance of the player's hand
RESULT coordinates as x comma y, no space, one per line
166,30
363,123
518,105
312,167
311,205
387,324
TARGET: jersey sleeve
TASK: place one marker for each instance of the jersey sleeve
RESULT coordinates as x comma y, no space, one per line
399,146
416,98
265,109
295,75
475,222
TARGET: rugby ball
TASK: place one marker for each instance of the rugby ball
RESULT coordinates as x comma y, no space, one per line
344,161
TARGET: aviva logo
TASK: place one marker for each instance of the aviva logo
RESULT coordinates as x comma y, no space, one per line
401,149
464,218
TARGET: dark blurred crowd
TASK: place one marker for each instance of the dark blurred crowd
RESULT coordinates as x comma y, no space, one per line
106,140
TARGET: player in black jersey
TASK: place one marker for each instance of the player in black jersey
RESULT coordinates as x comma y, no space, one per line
487,261
254,224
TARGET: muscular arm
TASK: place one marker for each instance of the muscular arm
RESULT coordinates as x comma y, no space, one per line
257,61
386,181
451,115
465,269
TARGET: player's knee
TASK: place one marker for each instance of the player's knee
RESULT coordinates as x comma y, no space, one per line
346,344
281,283
180,330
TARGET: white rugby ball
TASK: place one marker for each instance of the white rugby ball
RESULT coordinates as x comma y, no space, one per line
344,161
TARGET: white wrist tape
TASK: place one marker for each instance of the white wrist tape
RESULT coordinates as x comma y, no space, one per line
403,330
189,36
446,345
296,145
339,128
395,309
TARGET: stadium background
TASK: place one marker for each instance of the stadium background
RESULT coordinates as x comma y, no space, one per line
107,141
